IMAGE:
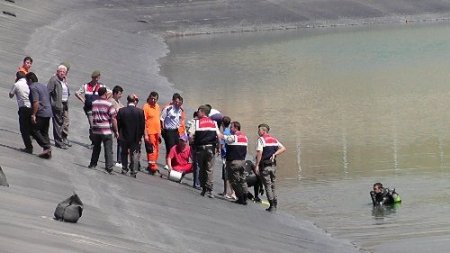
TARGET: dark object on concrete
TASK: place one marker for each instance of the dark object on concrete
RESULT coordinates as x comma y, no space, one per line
11,1
69,210
9,13
3,181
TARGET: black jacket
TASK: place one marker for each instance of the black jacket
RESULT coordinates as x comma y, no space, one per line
131,124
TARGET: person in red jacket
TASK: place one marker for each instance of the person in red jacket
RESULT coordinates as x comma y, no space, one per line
180,156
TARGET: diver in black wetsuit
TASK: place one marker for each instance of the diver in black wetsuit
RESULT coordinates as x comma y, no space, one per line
382,196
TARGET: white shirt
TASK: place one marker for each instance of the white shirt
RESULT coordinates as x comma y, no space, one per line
65,91
22,92
171,117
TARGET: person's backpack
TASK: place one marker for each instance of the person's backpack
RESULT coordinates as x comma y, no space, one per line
69,210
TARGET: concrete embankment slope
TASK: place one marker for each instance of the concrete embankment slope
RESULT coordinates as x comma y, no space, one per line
122,39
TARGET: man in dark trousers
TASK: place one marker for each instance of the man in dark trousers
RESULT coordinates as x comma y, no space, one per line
59,94
204,135
131,125
267,149
41,114
103,127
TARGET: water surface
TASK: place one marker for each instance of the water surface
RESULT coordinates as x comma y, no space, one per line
353,106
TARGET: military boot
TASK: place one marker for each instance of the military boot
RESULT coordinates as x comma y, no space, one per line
271,207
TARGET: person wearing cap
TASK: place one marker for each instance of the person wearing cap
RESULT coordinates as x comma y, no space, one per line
267,149
59,95
180,156
205,135
87,93
103,128
21,90
131,125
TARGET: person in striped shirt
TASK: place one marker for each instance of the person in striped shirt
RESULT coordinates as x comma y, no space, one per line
103,128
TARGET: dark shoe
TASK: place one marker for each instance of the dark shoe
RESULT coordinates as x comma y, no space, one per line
241,202
27,150
61,146
257,200
124,171
110,171
203,192
47,154
133,175
271,208
92,166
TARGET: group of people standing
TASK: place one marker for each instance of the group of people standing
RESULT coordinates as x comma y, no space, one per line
190,148
38,103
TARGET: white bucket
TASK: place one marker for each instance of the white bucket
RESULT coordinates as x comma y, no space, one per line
175,176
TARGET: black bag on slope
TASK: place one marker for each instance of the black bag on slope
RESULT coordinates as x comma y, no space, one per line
69,210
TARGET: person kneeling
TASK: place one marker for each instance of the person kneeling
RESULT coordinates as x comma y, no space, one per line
179,160
383,196
253,180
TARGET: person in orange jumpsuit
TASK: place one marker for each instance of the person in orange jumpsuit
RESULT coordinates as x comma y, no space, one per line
152,137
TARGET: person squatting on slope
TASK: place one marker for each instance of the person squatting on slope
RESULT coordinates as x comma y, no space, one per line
180,157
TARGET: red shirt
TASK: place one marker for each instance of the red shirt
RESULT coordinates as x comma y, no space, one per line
181,159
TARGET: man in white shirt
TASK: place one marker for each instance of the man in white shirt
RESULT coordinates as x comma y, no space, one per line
21,90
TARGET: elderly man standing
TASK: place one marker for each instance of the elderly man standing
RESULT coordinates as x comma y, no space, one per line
103,128
267,150
204,134
59,95
131,125
41,113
